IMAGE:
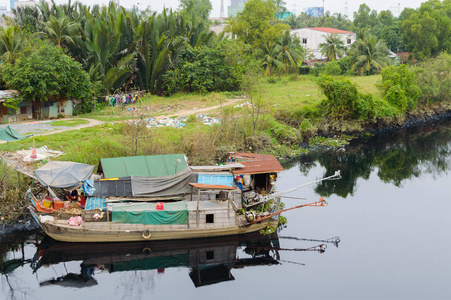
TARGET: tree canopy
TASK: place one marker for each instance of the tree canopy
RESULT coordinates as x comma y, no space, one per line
257,23
47,74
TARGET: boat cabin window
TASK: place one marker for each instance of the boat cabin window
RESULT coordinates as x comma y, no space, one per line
209,218
210,255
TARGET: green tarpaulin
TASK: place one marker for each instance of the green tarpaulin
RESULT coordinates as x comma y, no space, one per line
173,213
10,135
148,166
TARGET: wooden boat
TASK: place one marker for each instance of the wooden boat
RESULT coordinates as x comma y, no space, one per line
216,212
212,219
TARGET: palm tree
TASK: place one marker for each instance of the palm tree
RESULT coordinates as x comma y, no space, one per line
333,48
61,30
269,57
369,56
290,51
11,41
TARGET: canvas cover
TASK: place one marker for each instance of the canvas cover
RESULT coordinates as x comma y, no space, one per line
63,174
146,213
8,134
163,186
149,166
146,187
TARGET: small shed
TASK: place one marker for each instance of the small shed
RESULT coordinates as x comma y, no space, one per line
53,109
23,112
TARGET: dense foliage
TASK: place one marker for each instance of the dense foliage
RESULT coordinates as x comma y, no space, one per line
343,100
47,74
202,70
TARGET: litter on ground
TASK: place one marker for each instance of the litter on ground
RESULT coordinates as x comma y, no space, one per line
180,122
39,154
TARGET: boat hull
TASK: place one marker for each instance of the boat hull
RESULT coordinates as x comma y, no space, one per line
113,232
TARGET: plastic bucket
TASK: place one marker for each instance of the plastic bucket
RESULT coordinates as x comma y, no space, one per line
48,203
159,206
58,204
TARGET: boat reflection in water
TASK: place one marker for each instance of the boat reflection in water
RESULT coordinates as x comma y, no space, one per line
210,260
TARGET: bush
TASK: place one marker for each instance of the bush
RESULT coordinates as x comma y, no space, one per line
434,79
202,70
398,87
343,100
304,70
332,68
345,64
286,135
317,70
307,129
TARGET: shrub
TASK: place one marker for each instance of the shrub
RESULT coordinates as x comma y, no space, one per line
332,68
434,79
307,128
345,64
398,87
343,100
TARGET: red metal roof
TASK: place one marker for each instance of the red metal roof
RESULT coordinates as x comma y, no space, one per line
204,186
259,167
256,163
329,30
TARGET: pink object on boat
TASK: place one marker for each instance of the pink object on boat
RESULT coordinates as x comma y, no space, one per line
75,221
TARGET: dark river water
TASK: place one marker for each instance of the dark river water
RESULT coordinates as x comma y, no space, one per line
384,235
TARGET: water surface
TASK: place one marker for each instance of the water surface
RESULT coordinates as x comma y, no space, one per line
391,211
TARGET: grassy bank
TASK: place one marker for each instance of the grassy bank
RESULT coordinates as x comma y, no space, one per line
289,114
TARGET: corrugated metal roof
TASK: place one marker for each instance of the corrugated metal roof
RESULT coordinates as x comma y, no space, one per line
6,94
216,168
259,167
251,156
149,166
256,163
329,30
204,186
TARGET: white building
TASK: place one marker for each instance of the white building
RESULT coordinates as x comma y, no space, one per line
22,4
311,38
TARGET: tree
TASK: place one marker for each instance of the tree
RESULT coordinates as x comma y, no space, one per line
11,42
47,74
202,69
365,17
368,55
333,48
425,31
61,30
257,23
270,59
201,8
290,51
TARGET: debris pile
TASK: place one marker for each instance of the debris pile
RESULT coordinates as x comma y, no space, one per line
245,104
38,154
180,122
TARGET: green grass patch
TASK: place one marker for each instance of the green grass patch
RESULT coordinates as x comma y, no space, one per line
69,122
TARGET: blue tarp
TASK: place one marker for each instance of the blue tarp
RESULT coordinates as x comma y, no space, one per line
95,203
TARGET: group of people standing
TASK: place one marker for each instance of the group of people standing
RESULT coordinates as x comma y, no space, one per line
117,100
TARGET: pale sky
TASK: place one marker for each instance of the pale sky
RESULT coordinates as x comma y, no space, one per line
297,6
